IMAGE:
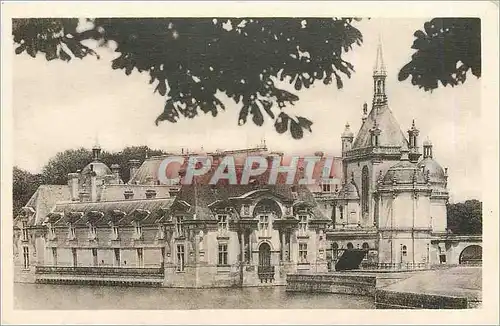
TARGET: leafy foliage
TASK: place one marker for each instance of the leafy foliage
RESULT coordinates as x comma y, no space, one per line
23,187
466,217
55,172
447,48
192,61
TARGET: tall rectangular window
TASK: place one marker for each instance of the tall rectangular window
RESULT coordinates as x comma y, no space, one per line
140,257
302,252
222,254
25,231
54,256
264,222
303,223
222,222
117,257
180,257
94,256
26,257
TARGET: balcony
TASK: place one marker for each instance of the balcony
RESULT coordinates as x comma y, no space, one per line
266,274
99,275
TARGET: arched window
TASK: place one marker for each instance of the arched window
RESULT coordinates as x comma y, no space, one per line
341,211
364,190
350,246
379,86
404,251
365,246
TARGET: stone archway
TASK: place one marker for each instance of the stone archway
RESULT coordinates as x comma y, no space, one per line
472,254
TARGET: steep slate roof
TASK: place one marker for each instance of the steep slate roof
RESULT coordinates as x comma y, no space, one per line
154,206
44,199
391,134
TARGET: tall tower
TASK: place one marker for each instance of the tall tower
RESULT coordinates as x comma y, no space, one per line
379,76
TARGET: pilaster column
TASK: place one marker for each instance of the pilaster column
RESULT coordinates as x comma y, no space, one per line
283,242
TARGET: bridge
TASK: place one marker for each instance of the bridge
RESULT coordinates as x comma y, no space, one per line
461,249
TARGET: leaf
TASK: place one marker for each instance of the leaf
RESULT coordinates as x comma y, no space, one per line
296,130
281,123
64,56
267,105
161,87
169,113
305,123
257,117
242,119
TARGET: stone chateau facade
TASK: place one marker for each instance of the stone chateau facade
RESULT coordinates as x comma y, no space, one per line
389,203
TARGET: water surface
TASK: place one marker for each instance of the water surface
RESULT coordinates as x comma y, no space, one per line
75,297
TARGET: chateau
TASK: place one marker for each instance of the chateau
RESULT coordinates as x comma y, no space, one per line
389,204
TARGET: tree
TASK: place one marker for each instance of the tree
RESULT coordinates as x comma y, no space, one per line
194,61
56,171
447,49
466,217
23,187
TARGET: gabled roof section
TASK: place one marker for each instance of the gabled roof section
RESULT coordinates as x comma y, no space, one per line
391,133
44,199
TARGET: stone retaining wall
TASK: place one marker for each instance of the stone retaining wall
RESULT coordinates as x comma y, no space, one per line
405,300
328,283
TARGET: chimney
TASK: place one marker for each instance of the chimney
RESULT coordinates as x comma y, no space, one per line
129,194
73,185
150,194
134,166
115,168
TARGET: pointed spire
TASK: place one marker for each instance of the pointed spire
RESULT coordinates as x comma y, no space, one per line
379,61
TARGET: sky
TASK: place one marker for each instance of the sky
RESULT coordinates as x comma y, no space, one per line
59,105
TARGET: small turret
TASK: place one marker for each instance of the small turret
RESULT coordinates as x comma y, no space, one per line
347,138
413,140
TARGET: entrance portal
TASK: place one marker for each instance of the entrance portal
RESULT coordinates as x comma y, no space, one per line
265,270
471,255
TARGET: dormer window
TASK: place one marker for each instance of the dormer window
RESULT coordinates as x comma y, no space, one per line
71,232
92,231
52,232
222,222
137,230
115,235
161,232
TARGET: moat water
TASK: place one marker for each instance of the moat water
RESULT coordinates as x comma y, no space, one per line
74,297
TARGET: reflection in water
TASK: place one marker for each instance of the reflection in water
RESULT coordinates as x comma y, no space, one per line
42,296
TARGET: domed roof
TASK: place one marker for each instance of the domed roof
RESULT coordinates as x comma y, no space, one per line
347,131
100,169
404,172
349,191
436,172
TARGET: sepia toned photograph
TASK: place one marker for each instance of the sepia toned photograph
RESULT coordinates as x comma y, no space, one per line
246,162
